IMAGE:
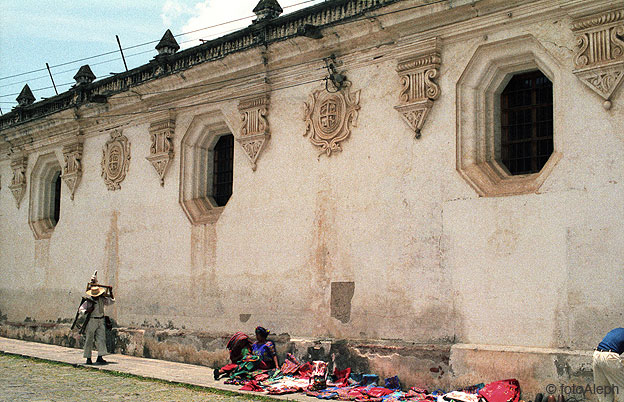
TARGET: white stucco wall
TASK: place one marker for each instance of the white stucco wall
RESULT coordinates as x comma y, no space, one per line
431,260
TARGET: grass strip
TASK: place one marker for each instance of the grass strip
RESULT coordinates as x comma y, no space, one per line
122,374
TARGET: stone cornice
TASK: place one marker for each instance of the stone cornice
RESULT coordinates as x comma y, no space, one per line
602,19
395,33
260,34
579,9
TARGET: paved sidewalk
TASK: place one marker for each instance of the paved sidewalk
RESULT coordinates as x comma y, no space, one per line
148,368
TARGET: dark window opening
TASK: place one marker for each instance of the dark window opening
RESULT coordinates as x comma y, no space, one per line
57,199
223,169
527,123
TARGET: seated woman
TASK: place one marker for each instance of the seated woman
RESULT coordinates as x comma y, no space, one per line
239,346
265,349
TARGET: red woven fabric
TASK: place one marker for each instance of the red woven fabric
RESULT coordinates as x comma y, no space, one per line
501,391
378,392
251,386
228,367
342,376
289,367
305,370
236,344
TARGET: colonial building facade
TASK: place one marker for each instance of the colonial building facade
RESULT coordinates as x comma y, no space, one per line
432,189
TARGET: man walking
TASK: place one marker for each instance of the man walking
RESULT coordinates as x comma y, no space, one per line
608,367
97,297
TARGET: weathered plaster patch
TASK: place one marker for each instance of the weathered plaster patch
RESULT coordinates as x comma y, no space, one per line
340,304
42,259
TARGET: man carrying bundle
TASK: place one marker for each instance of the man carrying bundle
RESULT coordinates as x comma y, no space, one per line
94,328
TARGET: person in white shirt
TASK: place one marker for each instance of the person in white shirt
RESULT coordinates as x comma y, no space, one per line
97,298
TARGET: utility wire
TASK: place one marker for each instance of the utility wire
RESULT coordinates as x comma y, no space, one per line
268,71
142,44
92,65
108,61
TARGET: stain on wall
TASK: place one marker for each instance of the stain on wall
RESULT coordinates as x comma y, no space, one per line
340,302
321,261
110,276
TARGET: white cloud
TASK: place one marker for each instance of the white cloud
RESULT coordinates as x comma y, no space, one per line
172,10
218,14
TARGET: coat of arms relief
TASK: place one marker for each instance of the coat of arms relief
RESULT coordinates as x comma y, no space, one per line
115,160
330,116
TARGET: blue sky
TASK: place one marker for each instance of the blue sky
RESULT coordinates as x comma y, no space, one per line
36,32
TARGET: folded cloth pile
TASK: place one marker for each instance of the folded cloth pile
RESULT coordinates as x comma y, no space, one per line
295,376
287,385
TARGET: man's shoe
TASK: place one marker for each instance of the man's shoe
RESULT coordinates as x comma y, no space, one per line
89,361
100,360
216,374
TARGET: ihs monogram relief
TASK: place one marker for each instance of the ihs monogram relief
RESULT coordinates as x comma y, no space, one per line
418,88
115,160
254,132
161,150
330,116
18,183
72,170
599,59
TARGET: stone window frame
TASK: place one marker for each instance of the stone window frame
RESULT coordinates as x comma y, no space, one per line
478,114
42,194
196,164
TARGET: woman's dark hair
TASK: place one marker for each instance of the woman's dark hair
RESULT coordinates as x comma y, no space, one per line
263,332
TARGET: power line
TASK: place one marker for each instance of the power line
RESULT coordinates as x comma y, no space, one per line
261,72
93,65
143,44
225,81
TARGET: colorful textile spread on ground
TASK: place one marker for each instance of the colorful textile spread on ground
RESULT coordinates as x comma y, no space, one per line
312,378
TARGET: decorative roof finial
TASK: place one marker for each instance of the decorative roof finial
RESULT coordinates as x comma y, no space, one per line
267,9
167,45
84,75
25,97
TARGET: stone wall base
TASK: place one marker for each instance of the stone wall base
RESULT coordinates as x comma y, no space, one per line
539,370
432,366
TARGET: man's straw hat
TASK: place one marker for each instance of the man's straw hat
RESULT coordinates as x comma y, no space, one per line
96,291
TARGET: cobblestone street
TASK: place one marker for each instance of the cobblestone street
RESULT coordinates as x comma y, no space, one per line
30,380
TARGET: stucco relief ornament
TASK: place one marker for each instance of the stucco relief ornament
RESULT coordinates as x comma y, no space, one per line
419,90
330,116
72,170
599,58
161,150
115,160
18,183
254,132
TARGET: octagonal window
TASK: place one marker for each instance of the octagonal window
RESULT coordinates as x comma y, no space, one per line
223,169
526,123
506,130
207,168
45,196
